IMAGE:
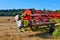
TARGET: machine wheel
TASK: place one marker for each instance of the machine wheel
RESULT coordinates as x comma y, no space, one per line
51,30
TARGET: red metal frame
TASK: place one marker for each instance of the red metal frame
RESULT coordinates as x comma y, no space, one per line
38,15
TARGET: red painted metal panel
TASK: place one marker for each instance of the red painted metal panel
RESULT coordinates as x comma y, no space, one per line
27,11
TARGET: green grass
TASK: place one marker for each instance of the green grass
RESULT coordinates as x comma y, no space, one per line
56,33
41,29
55,20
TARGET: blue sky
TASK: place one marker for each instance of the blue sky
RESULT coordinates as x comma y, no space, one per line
24,4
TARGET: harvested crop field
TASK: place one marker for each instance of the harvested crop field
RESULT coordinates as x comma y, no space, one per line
9,31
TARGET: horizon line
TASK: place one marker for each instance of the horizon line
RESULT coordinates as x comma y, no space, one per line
29,8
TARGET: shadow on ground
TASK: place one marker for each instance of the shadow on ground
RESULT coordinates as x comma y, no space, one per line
44,35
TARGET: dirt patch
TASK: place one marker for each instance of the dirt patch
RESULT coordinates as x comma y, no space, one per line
9,31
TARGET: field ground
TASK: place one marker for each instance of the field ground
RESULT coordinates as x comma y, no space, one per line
9,31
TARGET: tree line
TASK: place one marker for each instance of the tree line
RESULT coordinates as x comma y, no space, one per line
13,12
